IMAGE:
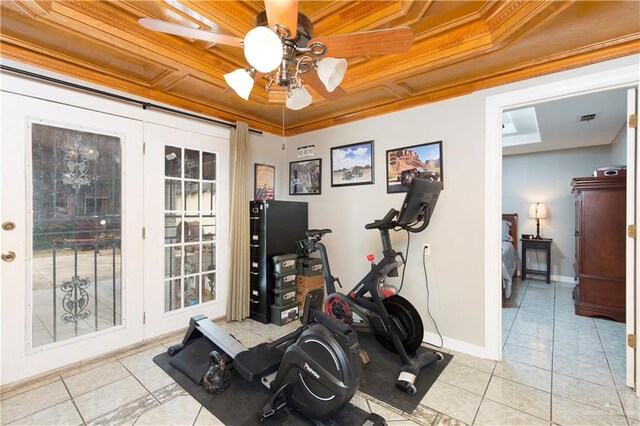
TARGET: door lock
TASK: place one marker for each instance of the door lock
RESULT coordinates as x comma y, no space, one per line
8,256
8,226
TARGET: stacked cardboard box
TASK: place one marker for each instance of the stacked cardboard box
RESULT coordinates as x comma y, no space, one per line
305,284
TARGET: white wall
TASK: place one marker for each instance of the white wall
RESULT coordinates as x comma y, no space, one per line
267,149
545,177
619,147
455,234
456,266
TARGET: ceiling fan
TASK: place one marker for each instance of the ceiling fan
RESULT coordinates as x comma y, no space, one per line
281,47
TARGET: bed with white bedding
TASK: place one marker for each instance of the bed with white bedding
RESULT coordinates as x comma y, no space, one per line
509,251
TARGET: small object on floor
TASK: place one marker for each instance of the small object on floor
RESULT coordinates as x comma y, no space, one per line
374,419
217,379
364,357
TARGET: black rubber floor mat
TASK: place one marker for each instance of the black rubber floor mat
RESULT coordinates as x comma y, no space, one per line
379,376
240,404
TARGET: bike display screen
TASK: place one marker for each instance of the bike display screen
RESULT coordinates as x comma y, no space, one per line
420,201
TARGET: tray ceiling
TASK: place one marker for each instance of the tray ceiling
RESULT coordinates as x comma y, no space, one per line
459,47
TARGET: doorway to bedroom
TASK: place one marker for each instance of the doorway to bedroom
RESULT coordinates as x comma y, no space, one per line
551,152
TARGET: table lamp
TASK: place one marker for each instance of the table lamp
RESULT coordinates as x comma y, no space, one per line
537,211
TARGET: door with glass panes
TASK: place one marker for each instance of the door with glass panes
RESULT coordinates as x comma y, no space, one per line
71,277
186,232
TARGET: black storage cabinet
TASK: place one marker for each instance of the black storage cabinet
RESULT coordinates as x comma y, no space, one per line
275,226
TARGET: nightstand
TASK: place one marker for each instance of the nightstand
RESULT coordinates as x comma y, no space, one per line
541,244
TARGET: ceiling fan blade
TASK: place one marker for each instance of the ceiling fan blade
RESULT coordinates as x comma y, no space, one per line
376,42
181,30
313,80
283,12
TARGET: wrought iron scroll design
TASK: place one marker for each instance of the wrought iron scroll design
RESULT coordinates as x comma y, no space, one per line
75,163
75,300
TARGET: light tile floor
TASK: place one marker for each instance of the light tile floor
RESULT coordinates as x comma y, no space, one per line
557,368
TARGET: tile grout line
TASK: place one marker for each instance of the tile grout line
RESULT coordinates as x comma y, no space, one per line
141,384
475,416
194,420
606,357
582,402
73,401
493,374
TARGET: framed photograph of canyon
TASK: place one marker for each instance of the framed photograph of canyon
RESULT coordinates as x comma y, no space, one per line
421,161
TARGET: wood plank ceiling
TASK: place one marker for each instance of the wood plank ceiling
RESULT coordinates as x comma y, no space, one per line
460,46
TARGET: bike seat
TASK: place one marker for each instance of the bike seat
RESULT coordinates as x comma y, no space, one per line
317,233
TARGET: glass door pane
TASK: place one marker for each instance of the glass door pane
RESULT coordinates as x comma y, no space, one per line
76,202
190,227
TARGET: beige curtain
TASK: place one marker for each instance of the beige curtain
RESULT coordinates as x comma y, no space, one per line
238,300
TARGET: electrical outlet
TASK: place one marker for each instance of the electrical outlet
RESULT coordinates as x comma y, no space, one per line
426,249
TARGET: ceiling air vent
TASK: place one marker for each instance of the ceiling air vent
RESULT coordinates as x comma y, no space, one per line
588,117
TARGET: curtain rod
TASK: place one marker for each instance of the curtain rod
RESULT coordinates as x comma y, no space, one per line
144,105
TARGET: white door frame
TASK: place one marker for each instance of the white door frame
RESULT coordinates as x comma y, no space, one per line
631,250
622,76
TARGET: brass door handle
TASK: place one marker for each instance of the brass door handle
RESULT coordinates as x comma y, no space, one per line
8,256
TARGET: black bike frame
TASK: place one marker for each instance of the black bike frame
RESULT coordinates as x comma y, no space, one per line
369,284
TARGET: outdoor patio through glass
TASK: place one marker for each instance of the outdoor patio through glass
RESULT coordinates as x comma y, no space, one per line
76,210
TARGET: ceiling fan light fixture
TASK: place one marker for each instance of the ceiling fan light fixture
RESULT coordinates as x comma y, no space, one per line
241,81
331,72
263,49
299,98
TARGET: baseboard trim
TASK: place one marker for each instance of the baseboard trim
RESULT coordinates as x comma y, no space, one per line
456,345
563,278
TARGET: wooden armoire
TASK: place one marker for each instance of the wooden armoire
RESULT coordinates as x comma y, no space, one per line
600,235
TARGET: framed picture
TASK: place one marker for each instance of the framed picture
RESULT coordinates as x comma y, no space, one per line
404,164
352,164
264,182
305,177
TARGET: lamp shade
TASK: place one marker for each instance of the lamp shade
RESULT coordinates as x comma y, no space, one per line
241,82
299,98
331,72
263,49
537,211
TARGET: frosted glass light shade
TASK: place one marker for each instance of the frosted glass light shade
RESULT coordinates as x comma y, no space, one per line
299,98
263,49
537,211
241,82
331,72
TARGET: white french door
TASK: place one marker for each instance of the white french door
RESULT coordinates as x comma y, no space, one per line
186,218
71,246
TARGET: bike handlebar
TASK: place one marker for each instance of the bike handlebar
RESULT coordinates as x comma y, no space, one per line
384,222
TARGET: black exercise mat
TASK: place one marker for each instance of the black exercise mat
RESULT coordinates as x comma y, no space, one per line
379,376
240,404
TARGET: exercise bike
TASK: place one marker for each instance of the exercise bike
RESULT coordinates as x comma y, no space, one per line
315,369
374,307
